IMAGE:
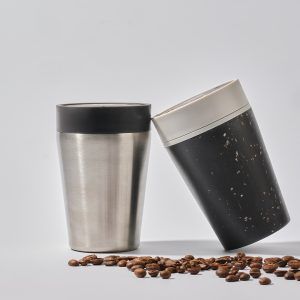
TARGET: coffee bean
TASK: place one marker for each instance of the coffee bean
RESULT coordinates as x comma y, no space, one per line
244,276
83,262
165,274
73,263
171,269
255,273
280,273
297,276
194,270
135,267
181,270
153,266
264,281
281,263
240,265
214,266
97,261
89,257
294,264
222,272
129,265
170,263
139,273
269,268
289,276
110,263
122,263
153,272
189,257
287,258
240,254
256,265
232,278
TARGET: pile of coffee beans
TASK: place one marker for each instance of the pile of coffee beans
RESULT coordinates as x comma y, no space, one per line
231,268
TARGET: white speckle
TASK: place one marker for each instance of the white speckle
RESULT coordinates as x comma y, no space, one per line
241,195
226,143
209,190
231,188
234,194
224,134
238,172
236,153
244,184
212,173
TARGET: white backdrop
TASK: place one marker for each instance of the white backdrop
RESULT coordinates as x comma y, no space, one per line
156,51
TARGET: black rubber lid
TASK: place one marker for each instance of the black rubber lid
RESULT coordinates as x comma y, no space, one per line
103,117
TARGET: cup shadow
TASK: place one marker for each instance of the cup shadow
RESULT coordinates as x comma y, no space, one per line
214,248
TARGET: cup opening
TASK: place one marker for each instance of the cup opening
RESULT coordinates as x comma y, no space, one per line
103,104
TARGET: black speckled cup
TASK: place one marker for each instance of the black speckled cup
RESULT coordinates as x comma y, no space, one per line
216,144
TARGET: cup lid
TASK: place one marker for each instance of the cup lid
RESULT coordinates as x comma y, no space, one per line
103,117
201,113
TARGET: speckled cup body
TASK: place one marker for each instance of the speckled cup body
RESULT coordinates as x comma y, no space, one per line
229,172
226,165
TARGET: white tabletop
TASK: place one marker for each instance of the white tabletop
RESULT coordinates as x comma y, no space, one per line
43,273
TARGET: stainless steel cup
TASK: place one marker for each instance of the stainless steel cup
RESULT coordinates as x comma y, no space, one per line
103,149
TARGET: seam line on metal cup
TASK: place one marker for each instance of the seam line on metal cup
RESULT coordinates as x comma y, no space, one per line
208,126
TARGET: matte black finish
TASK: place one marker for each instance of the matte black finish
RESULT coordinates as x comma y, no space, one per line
103,117
230,174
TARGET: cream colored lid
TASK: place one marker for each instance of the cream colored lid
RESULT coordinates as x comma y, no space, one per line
201,113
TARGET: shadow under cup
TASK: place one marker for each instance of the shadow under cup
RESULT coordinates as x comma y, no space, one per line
216,144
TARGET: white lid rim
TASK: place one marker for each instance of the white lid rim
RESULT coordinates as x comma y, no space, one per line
201,112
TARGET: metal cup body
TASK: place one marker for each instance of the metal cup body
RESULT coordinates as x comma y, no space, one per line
104,179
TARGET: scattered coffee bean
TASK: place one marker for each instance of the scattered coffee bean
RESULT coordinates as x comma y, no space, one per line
287,258
264,281
153,272
297,276
122,263
181,270
289,275
270,268
73,263
280,273
189,257
255,265
136,267
83,262
97,261
152,266
228,267
88,258
222,272
194,270
232,278
294,264
139,273
244,276
165,274
255,273
110,263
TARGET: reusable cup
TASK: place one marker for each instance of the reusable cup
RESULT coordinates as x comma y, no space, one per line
103,150
216,144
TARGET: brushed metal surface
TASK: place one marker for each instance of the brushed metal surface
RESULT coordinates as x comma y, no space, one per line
104,178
